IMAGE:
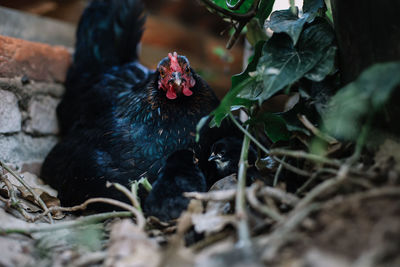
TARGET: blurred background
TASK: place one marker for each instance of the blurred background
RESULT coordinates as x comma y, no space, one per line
184,26
174,25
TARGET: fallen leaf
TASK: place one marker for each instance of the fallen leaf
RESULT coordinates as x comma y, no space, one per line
211,223
389,149
130,246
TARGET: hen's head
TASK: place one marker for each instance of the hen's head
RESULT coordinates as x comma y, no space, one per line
175,76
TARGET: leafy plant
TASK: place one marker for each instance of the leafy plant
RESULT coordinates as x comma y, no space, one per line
355,104
302,47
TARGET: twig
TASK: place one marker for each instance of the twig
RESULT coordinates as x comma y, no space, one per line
283,233
140,220
362,196
329,139
252,138
62,225
35,196
227,195
279,195
236,16
292,168
242,19
361,140
90,259
240,207
283,152
313,177
257,205
13,201
130,195
234,6
293,7
220,195
278,172
321,188
304,155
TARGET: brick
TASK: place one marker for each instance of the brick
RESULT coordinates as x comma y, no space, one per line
38,61
20,149
42,116
10,116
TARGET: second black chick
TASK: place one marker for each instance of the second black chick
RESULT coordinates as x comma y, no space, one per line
225,156
179,174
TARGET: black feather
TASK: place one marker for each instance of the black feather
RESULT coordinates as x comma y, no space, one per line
179,174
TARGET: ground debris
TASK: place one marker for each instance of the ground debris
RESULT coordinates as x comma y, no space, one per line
346,214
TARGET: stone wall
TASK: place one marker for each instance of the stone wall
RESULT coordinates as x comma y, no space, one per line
31,76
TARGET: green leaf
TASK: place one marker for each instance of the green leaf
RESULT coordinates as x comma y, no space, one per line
274,126
324,67
230,101
361,98
243,8
238,78
293,124
255,33
264,9
285,21
313,8
283,63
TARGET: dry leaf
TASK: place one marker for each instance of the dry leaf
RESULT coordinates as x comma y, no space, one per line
129,246
211,223
389,149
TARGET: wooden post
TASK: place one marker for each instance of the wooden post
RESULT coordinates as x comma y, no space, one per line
368,32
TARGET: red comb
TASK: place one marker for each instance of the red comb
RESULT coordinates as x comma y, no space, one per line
174,61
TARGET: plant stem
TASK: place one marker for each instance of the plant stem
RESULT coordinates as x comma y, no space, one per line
53,227
293,7
240,208
36,196
278,172
131,196
140,220
246,133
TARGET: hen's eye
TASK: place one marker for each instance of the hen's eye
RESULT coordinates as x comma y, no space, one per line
187,69
162,73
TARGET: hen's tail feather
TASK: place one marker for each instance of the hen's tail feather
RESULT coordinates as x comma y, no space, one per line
108,35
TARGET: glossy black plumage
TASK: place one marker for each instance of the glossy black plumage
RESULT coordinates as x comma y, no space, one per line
179,174
116,124
225,156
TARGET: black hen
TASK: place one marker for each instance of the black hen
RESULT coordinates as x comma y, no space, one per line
180,174
119,119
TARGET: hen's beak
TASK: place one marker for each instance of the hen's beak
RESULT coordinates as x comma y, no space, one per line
177,77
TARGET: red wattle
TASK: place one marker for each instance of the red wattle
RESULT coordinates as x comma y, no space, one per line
171,93
186,91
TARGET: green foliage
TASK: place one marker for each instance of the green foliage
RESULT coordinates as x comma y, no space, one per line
243,8
301,48
282,63
274,126
290,23
264,10
350,107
